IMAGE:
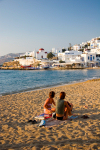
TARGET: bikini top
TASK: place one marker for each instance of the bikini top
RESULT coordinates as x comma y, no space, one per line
49,104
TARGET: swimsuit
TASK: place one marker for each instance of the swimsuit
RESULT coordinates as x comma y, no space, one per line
45,110
59,118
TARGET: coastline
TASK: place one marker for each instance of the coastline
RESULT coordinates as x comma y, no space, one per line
47,87
17,109
56,68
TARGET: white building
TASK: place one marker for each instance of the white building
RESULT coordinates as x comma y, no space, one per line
77,47
70,56
55,51
25,62
89,59
32,54
97,52
41,54
95,43
98,57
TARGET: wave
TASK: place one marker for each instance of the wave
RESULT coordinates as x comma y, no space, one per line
46,86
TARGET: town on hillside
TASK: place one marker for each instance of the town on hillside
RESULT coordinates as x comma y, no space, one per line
85,55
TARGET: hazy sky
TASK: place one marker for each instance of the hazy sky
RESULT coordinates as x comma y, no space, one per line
26,25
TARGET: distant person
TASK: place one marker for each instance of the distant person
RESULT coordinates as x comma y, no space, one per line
63,108
49,101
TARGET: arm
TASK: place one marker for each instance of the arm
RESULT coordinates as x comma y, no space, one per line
66,105
46,102
70,105
53,102
46,108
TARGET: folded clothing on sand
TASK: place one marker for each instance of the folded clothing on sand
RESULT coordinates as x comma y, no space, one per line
43,116
42,123
32,121
72,117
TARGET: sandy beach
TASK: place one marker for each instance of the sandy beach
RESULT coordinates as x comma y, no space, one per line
16,109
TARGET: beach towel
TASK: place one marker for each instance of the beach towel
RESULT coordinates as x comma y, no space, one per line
49,120
53,122
43,116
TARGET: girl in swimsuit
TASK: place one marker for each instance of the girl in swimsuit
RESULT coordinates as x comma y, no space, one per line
49,101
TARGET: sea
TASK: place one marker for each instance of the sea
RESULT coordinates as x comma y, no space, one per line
17,81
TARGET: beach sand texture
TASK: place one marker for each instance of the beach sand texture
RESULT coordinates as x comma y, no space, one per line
16,109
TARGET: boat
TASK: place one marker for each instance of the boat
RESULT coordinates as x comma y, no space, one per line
26,66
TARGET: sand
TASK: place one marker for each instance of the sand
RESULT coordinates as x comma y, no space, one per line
16,109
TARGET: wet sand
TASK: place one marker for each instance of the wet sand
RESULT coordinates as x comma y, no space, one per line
16,109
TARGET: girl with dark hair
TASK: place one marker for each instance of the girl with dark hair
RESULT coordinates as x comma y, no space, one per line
49,101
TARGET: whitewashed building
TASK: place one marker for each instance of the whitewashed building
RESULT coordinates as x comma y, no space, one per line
95,43
89,59
30,54
55,51
70,56
25,62
41,54
97,51
77,47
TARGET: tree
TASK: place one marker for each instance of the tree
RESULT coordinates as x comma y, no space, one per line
63,50
82,49
60,61
50,55
86,45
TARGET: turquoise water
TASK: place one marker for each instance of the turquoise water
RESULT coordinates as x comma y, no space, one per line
16,81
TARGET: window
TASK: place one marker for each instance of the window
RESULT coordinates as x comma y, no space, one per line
93,57
88,57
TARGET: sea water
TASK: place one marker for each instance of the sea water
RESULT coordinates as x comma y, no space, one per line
16,81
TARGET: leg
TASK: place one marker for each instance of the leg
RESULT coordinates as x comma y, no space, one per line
53,109
71,106
69,113
47,111
65,114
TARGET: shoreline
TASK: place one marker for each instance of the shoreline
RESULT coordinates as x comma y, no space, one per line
41,88
16,109
56,68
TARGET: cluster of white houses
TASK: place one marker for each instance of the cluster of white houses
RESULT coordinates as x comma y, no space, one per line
86,54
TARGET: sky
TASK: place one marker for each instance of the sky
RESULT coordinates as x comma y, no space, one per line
26,25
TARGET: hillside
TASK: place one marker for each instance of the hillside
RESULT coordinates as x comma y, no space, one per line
9,57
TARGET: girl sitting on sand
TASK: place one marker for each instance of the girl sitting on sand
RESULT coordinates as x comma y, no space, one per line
49,101
63,108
